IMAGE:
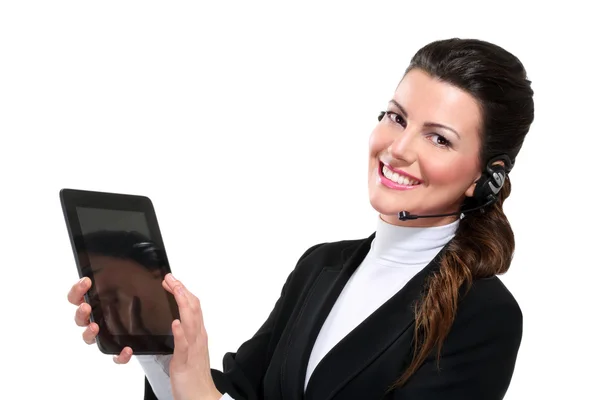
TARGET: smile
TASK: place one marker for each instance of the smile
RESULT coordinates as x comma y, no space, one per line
395,179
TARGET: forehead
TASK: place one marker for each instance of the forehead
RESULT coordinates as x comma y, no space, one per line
427,99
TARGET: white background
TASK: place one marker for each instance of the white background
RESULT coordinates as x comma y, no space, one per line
247,125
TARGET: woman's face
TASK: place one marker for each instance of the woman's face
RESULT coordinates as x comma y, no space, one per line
424,154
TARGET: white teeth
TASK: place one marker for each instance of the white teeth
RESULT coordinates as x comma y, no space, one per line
400,179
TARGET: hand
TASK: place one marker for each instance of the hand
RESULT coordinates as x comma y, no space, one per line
82,318
191,378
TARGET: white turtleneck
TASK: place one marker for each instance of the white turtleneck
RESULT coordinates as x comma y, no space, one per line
396,255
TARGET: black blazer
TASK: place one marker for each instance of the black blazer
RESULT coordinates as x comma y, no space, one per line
478,356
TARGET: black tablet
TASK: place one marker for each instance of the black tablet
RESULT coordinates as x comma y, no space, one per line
117,244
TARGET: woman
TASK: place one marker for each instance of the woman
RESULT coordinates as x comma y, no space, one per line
414,311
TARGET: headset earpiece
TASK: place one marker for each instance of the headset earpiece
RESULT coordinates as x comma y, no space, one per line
492,179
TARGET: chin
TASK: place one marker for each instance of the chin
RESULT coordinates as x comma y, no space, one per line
383,206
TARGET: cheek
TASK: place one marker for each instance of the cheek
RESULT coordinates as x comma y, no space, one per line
455,173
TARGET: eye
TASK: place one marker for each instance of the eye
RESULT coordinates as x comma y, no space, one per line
396,118
440,141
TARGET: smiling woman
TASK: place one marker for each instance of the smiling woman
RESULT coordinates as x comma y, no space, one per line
425,152
415,310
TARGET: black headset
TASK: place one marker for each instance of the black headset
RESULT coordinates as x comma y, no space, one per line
492,179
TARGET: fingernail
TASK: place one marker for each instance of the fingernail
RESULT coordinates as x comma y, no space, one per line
171,278
82,281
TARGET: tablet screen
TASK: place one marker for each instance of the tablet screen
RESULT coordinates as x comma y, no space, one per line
127,268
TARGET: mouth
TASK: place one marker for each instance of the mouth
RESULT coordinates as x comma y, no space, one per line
395,179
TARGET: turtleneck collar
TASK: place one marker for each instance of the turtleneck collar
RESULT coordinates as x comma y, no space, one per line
402,246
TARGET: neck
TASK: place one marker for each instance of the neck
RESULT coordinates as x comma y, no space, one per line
398,245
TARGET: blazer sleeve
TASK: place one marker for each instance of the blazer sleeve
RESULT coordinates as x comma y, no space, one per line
477,360
243,370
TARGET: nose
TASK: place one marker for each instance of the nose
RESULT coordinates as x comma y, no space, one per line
403,147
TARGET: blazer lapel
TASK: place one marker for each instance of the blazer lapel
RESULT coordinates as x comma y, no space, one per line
317,305
362,345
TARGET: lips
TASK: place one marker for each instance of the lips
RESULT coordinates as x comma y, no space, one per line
396,179
398,173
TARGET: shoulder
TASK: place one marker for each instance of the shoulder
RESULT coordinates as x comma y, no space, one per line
323,255
330,252
490,306
491,293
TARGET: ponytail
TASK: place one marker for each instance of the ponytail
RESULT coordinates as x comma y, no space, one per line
482,247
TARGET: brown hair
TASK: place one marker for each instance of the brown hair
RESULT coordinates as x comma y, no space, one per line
484,242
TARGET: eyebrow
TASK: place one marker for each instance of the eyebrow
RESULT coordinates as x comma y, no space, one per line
428,124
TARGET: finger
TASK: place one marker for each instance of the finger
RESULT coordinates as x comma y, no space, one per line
124,357
173,285
195,308
189,309
78,290
82,315
165,285
171,282
189,317
90,333
180,352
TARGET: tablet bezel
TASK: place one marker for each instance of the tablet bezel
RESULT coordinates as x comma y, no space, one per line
73,198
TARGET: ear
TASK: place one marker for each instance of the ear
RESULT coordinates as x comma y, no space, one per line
471,189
